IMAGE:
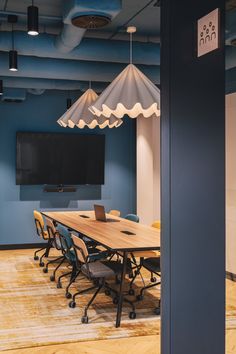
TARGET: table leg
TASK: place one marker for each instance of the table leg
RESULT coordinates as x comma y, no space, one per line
122,281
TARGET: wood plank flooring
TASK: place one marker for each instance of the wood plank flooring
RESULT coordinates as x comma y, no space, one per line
144,344
140,345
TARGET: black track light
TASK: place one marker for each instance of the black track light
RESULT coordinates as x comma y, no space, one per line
12,53
33,20
1,87
13,60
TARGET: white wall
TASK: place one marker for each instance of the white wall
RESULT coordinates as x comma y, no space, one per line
231,183
148,169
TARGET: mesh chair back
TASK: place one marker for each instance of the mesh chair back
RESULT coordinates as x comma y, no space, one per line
132,217
80,249
39,223
53,234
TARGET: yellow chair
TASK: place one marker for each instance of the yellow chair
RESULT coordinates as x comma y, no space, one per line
157,224
40,229
114,212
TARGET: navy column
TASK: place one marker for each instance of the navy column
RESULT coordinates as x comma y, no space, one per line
193,183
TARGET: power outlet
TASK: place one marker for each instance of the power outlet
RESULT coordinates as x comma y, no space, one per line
208,33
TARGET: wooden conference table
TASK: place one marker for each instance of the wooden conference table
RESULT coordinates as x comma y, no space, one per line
111,235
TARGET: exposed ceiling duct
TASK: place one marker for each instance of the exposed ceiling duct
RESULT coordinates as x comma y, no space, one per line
90,49
79,15
71,69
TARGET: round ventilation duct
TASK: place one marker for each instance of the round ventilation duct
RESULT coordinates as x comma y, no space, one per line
90,21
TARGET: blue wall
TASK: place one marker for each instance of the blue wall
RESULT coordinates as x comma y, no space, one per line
39,113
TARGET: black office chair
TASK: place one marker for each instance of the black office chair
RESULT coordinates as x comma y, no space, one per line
56,243
70,256
152,264
98,272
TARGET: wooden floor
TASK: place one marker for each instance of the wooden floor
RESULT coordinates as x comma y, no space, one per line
137,345
141,344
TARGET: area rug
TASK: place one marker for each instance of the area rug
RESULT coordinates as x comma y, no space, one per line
34,312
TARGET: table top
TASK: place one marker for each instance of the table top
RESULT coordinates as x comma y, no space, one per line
109,234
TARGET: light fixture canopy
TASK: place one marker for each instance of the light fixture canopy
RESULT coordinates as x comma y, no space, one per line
33,20
13,60
130,93
78,114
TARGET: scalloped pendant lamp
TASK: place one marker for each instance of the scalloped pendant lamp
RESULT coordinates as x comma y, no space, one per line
78,114
130,93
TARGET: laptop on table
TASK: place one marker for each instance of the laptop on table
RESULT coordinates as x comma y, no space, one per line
100,214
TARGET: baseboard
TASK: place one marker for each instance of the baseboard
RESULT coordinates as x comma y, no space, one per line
231,276
20,246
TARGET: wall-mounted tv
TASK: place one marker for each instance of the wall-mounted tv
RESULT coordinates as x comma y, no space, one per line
59,159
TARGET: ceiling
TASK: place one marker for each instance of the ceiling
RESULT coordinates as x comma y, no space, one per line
144,14
98,56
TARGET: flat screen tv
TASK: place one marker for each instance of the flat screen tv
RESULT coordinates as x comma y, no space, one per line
59,159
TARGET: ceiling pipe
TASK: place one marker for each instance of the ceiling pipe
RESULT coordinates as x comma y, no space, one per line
46,84
71,69
230,26
89,49
72,32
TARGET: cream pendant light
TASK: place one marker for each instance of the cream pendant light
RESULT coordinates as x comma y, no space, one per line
131,93
78,114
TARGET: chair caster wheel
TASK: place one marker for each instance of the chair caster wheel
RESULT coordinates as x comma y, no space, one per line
72,304
59,286
41,264
36,258
157,311
107,292
115,301
132,315
45,270
131,275
153,280
68,295
84,319
139,297
131,292
52,278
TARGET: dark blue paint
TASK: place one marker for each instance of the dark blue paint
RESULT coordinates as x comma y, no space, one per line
39,113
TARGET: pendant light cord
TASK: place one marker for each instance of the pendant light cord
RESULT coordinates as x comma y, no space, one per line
131,48
12,37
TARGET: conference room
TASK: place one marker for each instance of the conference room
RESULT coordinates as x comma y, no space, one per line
112,185
80,222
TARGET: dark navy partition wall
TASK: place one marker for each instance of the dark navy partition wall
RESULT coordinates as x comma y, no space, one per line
39,114
193,184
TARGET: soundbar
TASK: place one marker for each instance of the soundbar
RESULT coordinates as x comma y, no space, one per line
59,189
